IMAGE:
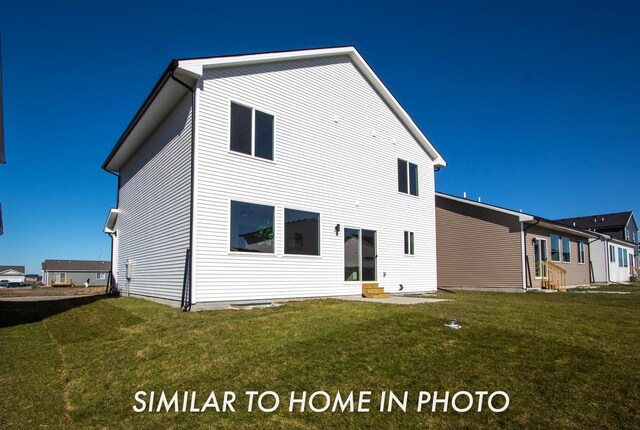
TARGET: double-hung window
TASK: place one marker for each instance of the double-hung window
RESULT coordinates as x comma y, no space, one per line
407,177
409,243
251,131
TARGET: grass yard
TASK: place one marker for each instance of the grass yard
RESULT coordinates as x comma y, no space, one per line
566,360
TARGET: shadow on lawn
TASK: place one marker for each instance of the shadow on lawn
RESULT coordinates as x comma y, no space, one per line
24,312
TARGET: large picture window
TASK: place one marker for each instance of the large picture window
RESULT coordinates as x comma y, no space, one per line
251,228
301,232
251,131
407,177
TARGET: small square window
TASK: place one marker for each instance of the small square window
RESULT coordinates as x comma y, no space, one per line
251,131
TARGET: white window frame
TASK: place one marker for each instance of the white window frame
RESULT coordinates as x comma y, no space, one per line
411,237
284,236
562,238
253,131
408,193
542,267
612,254
559,247
101,276
275,232
581,252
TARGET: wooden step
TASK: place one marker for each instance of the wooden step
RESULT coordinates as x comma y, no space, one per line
373,291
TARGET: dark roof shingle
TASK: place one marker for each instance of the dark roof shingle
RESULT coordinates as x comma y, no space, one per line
76,265
16,268
618,219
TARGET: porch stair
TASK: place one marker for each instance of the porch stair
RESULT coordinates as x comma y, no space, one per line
556,277
373,291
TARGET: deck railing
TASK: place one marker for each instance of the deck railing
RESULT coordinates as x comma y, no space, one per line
556,277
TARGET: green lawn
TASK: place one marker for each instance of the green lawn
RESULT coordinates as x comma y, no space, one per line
566,360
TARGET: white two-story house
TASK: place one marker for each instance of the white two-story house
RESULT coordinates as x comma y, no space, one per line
273,175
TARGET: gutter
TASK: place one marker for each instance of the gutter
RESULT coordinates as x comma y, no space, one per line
526,257
186,305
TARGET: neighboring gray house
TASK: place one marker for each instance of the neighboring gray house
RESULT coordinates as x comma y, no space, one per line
274,175
76,272
615,254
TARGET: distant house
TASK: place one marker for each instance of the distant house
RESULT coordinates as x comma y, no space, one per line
486,247
12,273
614,256
32,278
76,272
273,175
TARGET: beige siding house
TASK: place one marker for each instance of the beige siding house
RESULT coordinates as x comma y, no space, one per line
486,247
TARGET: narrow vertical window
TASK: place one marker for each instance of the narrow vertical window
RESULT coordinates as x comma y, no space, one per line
413,179
555,248
241,128
409,246
264,135
612,253
402,176
620,260
566,250
581,252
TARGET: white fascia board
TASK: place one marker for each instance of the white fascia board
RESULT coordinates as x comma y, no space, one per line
575,232
111,221
196,68
621,242
522,217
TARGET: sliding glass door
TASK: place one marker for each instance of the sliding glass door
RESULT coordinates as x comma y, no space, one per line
360,255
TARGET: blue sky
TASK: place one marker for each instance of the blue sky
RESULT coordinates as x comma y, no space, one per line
535,105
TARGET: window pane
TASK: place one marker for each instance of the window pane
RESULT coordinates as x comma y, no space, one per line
264,135
251,227
537,257
240,128
351,254
412,249
555,247
566,250
301,232
406,242
620,262
368,255
402,176
413,179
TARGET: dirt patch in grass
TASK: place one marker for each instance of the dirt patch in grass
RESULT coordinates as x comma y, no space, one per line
50,291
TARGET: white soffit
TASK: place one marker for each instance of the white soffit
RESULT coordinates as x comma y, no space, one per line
522,217
111,221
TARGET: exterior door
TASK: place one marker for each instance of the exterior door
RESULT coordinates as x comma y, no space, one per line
360,255
540,256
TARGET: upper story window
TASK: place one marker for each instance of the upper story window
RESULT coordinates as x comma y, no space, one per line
252,228
407,177
251,131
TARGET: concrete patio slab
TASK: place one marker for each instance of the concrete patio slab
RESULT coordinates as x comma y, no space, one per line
393,300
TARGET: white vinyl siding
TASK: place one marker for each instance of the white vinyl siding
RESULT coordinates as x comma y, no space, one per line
329,161
153,223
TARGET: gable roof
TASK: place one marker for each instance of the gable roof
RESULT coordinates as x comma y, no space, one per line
76,266
14,268
523,217
168,92
618,219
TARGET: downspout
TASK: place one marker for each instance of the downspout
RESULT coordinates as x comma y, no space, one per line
592,275
111,234
526,257
189,264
